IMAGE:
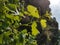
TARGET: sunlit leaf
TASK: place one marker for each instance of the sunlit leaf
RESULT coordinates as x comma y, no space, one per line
33,11
34,29
16,18
10,16
43,23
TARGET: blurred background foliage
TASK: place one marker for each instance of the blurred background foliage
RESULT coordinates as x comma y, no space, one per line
11,14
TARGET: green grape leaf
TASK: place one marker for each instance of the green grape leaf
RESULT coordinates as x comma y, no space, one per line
7,33
43,23
9,16
34,29
47,14
16,18
33,11
12,6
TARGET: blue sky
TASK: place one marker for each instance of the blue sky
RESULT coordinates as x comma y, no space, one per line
55,9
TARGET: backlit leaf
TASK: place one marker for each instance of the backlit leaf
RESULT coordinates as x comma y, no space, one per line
33,11
34,29
43,23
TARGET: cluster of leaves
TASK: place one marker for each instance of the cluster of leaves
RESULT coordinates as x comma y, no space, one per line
11,12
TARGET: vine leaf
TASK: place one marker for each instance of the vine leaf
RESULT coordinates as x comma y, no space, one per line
33,11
